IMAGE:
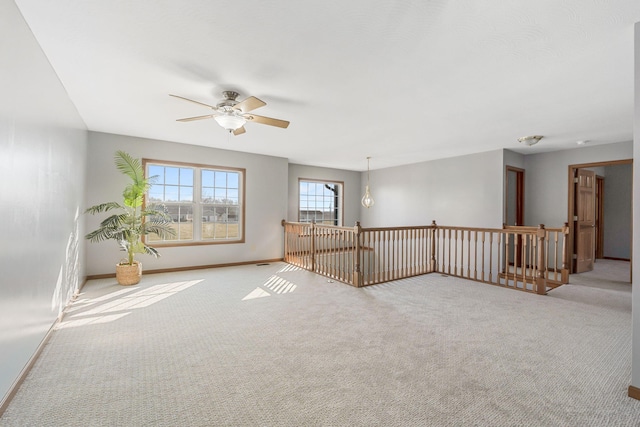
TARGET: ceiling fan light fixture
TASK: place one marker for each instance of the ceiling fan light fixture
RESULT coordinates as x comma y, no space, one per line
230,121
530,140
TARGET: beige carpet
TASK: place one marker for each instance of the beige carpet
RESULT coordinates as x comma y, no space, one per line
276,346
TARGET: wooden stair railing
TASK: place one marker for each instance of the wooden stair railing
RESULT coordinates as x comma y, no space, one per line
532,259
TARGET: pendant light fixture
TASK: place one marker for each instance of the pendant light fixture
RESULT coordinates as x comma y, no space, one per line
367,200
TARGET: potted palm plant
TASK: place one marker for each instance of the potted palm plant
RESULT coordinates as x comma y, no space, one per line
132,220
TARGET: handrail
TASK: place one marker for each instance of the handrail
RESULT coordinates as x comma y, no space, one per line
533,259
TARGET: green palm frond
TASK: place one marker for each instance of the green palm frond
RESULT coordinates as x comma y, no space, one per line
132,222
114,221
162,231
103,207
129,166
151,251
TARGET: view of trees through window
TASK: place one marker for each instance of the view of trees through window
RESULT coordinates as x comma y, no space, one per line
205,203
320,202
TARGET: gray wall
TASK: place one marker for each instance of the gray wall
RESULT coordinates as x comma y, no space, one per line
462,191
266,201
617,211
42,165
635,372
351,189
547,179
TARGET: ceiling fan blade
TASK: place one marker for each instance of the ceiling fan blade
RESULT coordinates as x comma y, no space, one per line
266,120
190,119
239,131
195,102
249,104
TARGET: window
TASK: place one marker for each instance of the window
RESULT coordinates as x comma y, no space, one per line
320,202
206,203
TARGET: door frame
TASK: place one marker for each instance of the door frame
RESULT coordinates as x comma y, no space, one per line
571,200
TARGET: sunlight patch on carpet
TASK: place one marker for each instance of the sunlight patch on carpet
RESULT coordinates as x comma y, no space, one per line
274,285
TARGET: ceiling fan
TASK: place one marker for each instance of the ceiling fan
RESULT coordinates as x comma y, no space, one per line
232,114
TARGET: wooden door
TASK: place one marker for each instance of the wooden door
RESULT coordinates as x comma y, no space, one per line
585,220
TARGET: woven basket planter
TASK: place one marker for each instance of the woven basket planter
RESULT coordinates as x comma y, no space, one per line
129,274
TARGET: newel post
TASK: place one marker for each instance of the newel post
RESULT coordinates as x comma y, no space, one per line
565,254
433,233
357,274
541,271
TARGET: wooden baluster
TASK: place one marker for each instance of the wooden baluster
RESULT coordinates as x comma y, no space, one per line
389,254
403,257
372,266
404,254
483,240
497,242
468,254
555,256
475,255
541,281
523,265
334,252
392,253
423,250
455,252
338,245
413,252
449,251
383,256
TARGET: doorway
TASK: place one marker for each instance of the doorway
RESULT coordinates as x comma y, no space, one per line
592,233
514,191
514,210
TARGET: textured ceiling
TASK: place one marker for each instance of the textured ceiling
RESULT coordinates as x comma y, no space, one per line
400,81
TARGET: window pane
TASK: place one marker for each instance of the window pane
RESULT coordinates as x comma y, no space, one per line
221,179
233,180
186,176
186,194
320,202
156,194
207,178
158,171
207,195
171,194
220,194
171,176
182,216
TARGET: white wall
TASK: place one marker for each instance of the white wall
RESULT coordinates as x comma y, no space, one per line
547,179
42,164
617,211
266,201
635,373
351,190
462,191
